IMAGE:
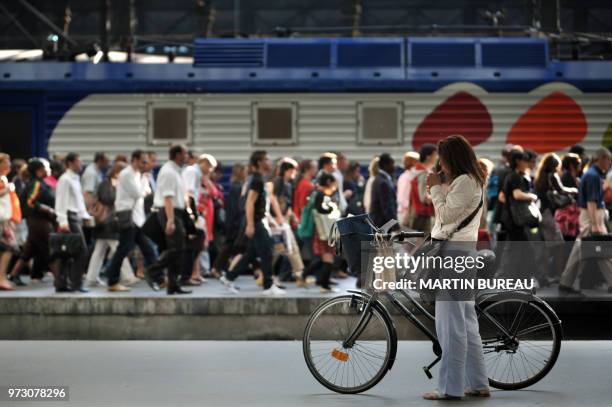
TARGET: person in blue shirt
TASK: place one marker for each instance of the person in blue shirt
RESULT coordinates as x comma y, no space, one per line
593,216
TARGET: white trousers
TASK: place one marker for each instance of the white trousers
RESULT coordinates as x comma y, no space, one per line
97,260
462,366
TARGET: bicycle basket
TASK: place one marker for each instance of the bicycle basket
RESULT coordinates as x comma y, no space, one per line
347,235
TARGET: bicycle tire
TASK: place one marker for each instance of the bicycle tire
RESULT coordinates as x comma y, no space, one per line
389,356
555,327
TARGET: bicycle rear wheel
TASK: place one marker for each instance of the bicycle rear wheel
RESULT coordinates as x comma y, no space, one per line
525,358
347,369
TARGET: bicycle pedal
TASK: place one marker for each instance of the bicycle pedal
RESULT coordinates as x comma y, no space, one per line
427,373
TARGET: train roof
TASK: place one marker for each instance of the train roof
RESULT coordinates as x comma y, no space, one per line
324,65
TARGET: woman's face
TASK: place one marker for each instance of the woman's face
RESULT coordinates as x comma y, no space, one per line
522,165
290,174
330,189
313,169
445,168
41,172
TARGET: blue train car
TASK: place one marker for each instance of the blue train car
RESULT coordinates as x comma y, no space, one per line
300,97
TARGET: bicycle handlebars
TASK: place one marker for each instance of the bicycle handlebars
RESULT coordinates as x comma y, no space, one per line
400,236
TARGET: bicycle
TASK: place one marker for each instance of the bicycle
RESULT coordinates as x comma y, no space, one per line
350,341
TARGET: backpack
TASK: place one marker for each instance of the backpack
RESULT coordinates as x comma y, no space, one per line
305,229
420,208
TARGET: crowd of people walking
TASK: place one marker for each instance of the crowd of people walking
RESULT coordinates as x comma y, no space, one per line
178,225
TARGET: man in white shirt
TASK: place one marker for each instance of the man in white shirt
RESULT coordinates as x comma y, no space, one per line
129,210
92,177
192,178
71,213
169,200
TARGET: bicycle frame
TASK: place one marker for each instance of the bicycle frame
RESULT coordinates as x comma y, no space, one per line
509,338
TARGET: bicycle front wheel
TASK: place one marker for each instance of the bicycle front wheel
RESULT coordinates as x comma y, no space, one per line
525,356
344,369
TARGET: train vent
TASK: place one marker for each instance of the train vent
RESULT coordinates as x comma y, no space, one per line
228,53
385,54
427,53
298,55
532,54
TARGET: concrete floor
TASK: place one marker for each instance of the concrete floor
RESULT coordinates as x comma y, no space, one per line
265,374
214,289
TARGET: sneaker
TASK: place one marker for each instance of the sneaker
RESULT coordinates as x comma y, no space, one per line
229,286
272,291
329,290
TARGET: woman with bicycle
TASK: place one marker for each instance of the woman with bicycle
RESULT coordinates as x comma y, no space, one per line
462,369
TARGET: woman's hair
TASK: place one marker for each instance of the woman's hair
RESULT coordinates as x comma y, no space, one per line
486,165
547,166
352,167
23,173
57,168
304,167
326,158
284,167
569,160
5,157
373,167
426,150
326,179
459,157
238,173
33,166
119,158
515,157
116,169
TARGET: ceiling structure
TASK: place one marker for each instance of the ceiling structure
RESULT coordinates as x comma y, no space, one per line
63,28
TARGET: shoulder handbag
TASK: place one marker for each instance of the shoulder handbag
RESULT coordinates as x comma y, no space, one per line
432,248
65,245
557,199
123,219
525,213
324,223
153,229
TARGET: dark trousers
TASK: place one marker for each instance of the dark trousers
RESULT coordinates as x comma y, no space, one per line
172,257
37,245
260,245
128,238
70,274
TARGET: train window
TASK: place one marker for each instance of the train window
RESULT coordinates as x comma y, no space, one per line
274,123
379,123
170,123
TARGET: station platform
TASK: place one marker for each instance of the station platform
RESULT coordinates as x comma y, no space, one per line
36,312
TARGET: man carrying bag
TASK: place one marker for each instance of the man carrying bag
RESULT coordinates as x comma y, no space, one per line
71,214
130,216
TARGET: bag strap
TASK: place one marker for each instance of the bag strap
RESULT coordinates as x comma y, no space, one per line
471,216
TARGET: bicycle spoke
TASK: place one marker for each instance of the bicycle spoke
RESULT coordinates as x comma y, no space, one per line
353,367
